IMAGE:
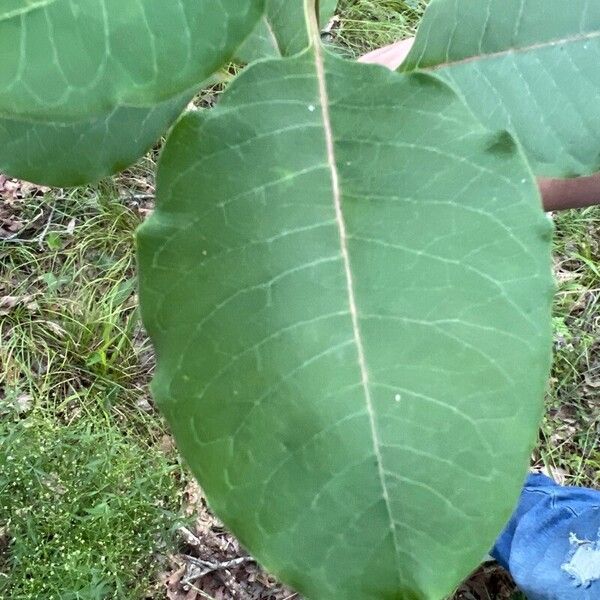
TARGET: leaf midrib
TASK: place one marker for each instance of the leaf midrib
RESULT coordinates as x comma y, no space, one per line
315,37
517,50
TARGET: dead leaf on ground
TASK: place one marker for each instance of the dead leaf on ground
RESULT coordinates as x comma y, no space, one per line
10,303
23,403
15,189
592,381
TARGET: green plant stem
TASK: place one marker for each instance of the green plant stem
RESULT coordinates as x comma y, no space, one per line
311,14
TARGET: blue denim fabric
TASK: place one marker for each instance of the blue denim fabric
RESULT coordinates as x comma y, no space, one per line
551,545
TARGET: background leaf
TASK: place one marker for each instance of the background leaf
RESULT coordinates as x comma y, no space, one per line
78,74
530,66
282,31
347,281
74,153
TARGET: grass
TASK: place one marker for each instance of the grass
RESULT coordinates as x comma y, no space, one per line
369,24
86,508
90,489
569,443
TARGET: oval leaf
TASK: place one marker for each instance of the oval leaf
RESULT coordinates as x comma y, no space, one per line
347,281
534,76
90,85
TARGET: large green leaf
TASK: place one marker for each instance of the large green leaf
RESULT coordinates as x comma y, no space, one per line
531,66
87,86
282,31
347,280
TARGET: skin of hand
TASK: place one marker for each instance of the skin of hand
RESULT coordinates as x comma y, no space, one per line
557,194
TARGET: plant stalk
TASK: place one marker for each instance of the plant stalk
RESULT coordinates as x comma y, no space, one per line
311,14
